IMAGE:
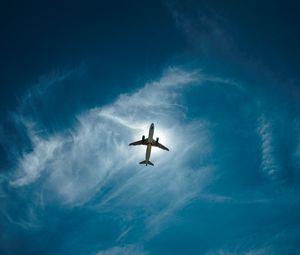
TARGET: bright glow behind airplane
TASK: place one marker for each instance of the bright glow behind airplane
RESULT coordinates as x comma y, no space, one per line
150,141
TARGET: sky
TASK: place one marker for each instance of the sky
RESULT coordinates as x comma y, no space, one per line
80,80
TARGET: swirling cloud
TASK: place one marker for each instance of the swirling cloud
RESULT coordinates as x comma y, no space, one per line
91,164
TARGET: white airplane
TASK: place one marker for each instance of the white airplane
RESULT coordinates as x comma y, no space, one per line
149,142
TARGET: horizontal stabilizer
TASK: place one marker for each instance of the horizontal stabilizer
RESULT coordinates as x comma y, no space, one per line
149,162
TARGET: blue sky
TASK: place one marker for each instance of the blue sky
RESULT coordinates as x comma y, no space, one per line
81,80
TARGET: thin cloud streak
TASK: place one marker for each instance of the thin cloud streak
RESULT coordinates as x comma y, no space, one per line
268,161
124,250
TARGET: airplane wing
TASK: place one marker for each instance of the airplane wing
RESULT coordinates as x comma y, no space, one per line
141,142
159,145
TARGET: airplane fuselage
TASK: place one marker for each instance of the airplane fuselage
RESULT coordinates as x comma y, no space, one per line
149,144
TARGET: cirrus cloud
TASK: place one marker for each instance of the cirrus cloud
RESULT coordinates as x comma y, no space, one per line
92,165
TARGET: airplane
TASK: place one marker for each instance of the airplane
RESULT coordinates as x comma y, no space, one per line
149,142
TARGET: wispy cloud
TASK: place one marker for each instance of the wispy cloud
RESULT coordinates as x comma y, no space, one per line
296,154
238,251
91,164
123,250
203,28
268,159
46,82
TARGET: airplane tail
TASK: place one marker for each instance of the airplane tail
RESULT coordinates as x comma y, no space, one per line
149,162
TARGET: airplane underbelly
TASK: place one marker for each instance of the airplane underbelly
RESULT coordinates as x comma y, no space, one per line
148,151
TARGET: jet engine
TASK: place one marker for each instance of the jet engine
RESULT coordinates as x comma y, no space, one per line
143,138
157,140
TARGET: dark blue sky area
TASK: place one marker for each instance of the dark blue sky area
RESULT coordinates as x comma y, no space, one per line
119,40
139,35
81,79
114,39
